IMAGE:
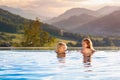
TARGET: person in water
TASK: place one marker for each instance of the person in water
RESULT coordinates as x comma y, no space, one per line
87,50
61,51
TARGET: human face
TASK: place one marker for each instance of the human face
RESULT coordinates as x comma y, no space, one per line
84,44
64,48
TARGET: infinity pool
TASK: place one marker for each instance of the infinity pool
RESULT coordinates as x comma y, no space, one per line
43,65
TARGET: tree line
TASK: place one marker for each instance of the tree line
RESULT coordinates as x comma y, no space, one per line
36,33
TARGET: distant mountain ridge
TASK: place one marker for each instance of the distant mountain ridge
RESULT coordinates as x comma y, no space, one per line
108,25
76,19
78,11
107,10
10,22
24,13
71,12
13,23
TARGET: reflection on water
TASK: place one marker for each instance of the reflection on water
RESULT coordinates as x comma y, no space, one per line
43,65
61,60
88,67
88,64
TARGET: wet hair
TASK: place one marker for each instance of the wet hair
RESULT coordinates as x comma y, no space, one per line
89,43
59,45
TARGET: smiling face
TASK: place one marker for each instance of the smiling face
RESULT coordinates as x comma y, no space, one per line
61,47
84,44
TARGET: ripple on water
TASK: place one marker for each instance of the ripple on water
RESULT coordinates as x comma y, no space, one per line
43,65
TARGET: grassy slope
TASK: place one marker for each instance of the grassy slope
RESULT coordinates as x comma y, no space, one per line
18,37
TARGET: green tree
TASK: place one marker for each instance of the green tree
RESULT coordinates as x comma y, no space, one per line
34,36
46,39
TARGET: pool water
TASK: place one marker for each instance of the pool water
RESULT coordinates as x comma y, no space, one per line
43,65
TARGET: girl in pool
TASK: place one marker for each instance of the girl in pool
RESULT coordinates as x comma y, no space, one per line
61,51
87,50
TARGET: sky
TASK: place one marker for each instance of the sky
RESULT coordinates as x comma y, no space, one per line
53,8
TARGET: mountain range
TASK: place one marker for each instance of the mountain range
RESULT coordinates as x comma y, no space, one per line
101,22
25,13
74,21
12,23
78,11
108,25
85,21
69,13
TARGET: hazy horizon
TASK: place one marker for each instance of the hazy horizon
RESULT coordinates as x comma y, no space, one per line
52,8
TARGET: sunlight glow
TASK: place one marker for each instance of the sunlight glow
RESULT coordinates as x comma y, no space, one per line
56,7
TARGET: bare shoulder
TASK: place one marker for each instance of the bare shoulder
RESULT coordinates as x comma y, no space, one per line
84,51
93,51
87,50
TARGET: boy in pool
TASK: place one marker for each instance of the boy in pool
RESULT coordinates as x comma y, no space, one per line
87,50
61,51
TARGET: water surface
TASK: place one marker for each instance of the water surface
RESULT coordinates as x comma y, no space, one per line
43,65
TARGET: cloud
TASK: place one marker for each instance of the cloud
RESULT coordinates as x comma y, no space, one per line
17,3
56,7
76,0
43,7
52,7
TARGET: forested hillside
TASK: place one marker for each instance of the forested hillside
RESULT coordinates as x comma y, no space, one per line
12,30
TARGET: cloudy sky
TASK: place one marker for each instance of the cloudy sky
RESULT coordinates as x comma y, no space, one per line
55,7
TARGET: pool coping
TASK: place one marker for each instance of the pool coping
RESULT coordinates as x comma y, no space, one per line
53,48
